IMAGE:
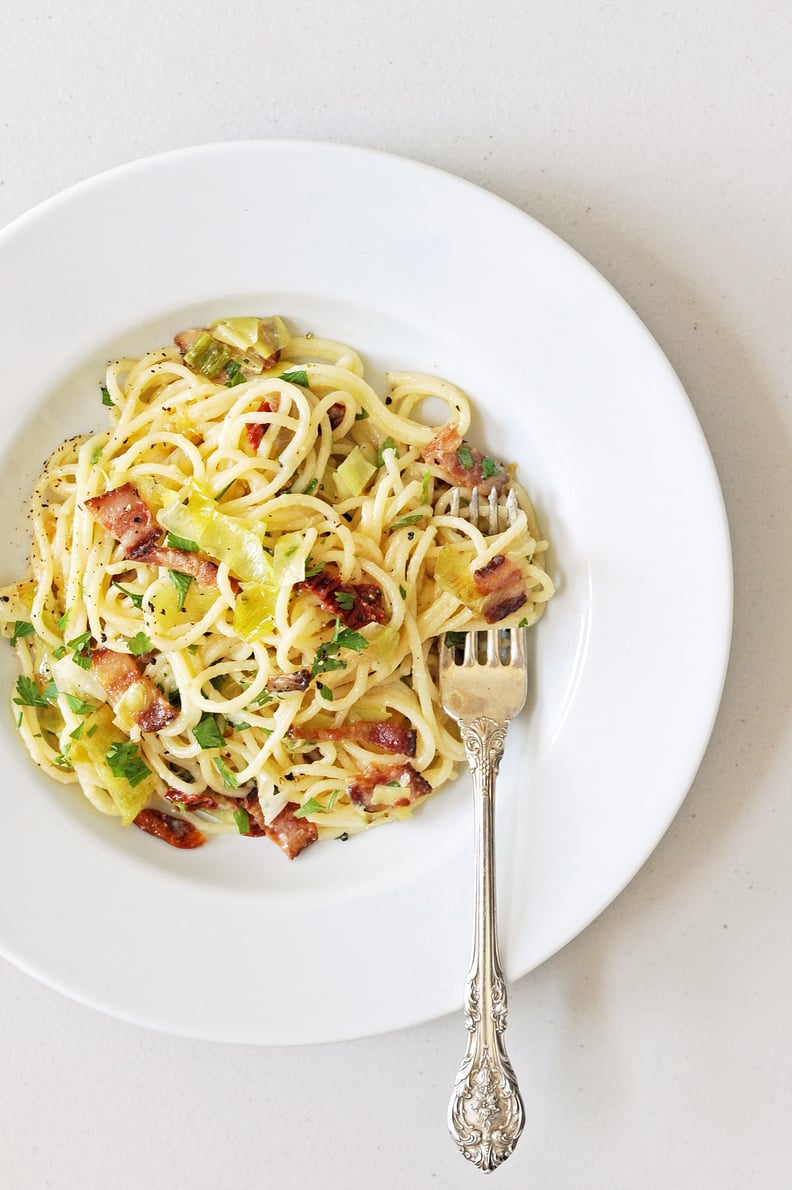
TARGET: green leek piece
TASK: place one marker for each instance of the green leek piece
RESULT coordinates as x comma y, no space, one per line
254,610
207,355
274,333
119,770
353,474
221,536
453,574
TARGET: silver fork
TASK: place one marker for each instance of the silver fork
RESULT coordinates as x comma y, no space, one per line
486,1114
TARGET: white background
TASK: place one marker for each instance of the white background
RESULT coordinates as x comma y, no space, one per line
654,1051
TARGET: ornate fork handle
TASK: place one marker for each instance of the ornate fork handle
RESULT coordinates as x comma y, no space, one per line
486,1113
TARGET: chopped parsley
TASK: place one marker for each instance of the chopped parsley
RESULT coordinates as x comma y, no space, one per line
29,695
296,376
362,415
97,454
79,705
489,467
523,623
242,820
311,487
137,600
79,729
229,780
59,652
182,543
79,654
125,761
347,638
63,761
207,732
106,398
312,806
325,692
454,640
63,621
261,699
21,628
182,584
402,591
345,599
139,644
313,568
465,456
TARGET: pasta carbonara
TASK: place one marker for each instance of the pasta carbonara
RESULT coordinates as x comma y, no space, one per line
233,591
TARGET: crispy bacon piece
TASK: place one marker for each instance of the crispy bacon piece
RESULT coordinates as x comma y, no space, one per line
367,605
361,787
176,831
285,683
117,672
197,565
127,517
255,430
291,834
502,582
192,801
391,737
443,451
336,414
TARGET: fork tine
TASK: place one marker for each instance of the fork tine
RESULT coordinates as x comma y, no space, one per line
494,512
473,511
493,647
471,649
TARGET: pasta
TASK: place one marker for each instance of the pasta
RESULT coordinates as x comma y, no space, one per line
233,591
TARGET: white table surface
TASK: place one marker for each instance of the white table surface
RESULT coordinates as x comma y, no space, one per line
654,1050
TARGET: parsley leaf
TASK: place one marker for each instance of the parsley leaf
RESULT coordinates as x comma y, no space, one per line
97,454
78,705
242,819
29,694
313,568
229,780
312,806
523,623
21,628
489,467
79,729
326,693
261,699
455,640
207,732
79,654
125,761
182,543
296,376
63,621
139,643
311,487
106,398
345,599
465,456
326,659
402,591
182,584
59,652
234,373
137,600
362,415
347,638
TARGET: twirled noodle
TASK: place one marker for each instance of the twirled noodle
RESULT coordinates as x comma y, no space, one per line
337,501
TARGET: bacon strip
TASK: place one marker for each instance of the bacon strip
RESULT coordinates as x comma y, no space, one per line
367,603
336,414
191,801
502,582
443,451
176,831
117,672
391,737
291,834
285,683
197,565
255,430
128,518
361,787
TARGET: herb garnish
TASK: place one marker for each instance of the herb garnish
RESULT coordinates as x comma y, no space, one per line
182,584
465,456
229,780
296,376
21,628
242,819
125,761
489,467
29,694
106,398
137,600
412,518
207,732
454,640
182,543
345,599
139,644
388,444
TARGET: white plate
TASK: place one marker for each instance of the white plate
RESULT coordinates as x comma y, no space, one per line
417,270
